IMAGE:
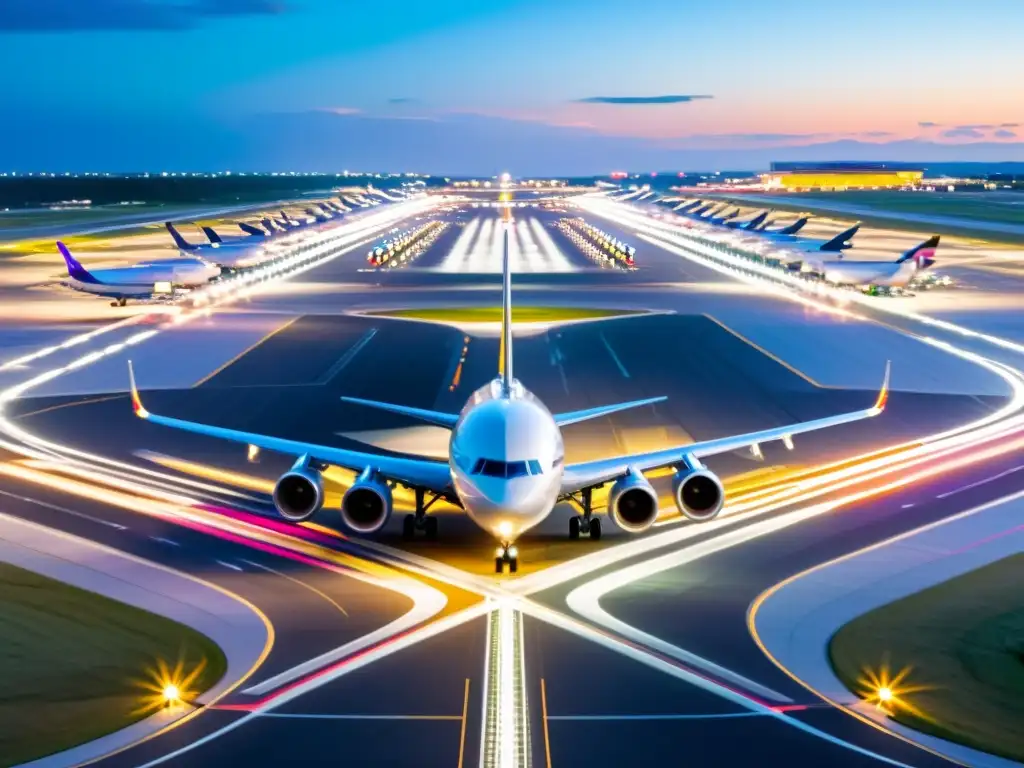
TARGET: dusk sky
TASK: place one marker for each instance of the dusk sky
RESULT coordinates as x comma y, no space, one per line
464,86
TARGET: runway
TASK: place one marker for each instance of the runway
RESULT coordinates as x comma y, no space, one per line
728,359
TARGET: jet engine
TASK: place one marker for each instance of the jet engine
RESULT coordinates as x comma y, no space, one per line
299,494
632,503
698,491
367,504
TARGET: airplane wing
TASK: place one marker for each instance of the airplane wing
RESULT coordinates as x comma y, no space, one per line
593,473
419,473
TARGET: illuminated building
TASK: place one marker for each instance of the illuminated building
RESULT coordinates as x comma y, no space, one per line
794,177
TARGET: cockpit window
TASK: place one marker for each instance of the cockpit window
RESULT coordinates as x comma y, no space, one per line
506,469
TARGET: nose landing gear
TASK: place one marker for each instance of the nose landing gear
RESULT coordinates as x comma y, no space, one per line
507,553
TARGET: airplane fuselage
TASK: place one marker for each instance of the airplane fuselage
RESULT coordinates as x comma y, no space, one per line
888,274
506,457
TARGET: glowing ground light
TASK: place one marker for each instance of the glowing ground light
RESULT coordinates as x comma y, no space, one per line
166,687
171,694
889,692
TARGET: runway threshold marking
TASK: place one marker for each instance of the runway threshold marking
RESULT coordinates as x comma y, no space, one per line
300,582
220,369
771,356
544,715
462,735
615,357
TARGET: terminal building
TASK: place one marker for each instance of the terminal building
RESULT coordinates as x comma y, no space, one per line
801,177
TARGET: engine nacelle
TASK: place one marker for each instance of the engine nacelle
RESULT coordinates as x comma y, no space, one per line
299,493
632,503
698,492
367,504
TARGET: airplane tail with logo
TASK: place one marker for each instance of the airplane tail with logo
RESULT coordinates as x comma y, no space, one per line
793,228
922,254
841,241
212,236
756,222
75,270
179,241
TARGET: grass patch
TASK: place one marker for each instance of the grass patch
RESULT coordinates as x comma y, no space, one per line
493,314
963,642
75,665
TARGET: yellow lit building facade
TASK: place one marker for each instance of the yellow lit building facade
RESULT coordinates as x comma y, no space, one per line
802,177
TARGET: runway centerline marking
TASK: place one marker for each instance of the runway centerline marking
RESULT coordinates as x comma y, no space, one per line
544,715
232,566
314,716
462,734
979,483
615,357
626,718
162,540
300,582
65,510
347,358
224,366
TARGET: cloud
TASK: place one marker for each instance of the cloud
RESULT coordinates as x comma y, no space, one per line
928,124
125,15
875,134
634,100
1005,133
963,132
341,110
698,138
1009,125
404,100
976,127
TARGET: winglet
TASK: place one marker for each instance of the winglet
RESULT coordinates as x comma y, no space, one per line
883,394
137,405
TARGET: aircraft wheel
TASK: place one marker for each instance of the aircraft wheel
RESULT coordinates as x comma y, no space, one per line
595,529
499,565
513,564
430,527
574,528
409,527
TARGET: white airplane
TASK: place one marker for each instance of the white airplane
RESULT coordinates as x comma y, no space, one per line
237,254
506,464
887,274
144,280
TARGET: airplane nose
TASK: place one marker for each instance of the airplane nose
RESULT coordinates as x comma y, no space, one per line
509,498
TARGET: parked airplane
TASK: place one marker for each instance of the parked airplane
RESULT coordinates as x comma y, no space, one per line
887,274
144,280
506,465
234,255
750,225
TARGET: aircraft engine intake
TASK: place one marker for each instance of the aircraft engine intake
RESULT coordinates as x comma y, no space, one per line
632,503
367,504
299,494
698,492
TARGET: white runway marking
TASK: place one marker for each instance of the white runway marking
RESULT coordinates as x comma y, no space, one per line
457,257
479,249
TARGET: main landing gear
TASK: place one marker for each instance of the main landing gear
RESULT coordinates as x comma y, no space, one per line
586,523
122,302
507,553
419,521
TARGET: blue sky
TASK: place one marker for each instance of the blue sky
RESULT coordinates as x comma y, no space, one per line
566,86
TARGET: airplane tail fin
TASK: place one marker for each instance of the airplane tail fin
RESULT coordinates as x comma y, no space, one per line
212,236
505,360
179,241
922,254
795,227
841,241
757,221
75,270
255,231
285,216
